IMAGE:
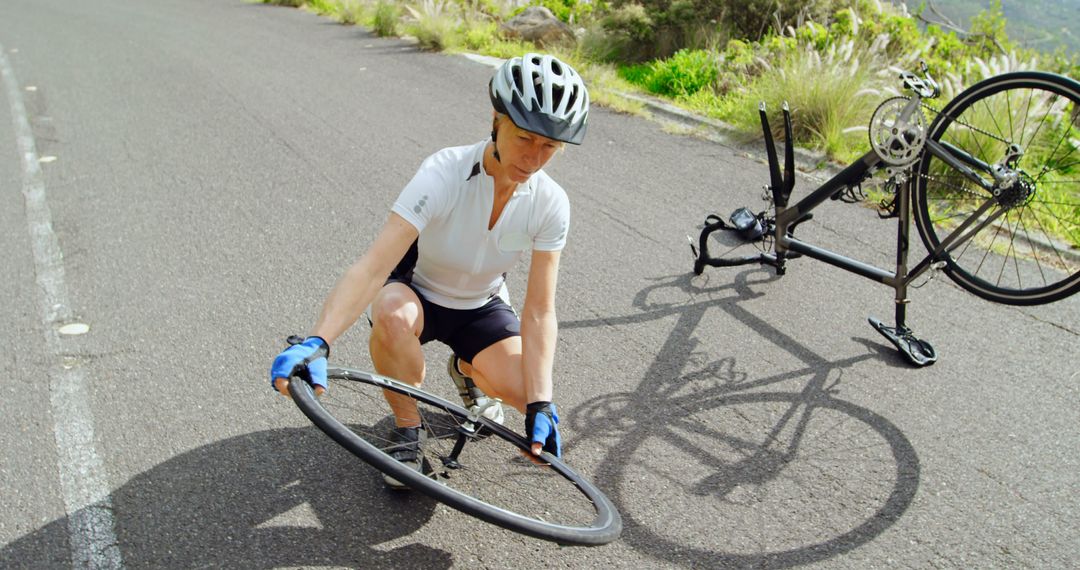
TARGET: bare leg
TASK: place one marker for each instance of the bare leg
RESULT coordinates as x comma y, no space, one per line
498,372
397,321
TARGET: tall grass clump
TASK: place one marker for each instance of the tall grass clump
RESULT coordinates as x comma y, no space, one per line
829,95
479,36
326,7
434,23
349,12
352,12
385,19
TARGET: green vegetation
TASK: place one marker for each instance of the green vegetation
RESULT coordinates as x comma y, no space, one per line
385,19
1043,24
832,61
1056,212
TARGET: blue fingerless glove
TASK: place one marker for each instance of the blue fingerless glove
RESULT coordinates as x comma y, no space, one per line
541,426
306,360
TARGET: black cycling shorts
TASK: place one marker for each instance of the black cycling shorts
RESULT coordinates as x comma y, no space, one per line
466,331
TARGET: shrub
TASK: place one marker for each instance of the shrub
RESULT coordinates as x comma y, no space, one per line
696,24
683,74
433,33
351,11
625,34
322,6
814,35
571,11
480,36
988,31
385,21
495,10
435,25
827,94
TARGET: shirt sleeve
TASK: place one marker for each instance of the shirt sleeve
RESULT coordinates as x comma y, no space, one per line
424,197
555,222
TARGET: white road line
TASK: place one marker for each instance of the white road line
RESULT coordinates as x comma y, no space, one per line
82,478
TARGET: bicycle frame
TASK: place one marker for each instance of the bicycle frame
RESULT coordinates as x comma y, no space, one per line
996,217
788,217
856,172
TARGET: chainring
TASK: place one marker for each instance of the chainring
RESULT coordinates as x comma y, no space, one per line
897,142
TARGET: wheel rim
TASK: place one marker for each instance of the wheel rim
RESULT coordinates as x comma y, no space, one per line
493,481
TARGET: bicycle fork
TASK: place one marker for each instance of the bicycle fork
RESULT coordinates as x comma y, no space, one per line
780,188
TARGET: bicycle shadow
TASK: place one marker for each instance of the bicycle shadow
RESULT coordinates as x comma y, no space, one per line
745,474
270,499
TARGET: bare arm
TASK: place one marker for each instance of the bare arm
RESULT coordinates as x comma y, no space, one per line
363,280
539,326
355,289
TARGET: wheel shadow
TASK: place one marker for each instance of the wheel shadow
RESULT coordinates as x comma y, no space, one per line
715,465
271,499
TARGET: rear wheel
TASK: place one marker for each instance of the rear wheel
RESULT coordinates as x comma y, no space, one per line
478,467
1025,248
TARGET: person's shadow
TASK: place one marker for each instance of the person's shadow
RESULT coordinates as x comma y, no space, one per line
285,497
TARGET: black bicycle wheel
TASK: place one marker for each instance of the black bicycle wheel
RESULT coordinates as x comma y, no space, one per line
1025,128
492,479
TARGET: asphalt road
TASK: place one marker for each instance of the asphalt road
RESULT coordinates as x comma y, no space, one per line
189,178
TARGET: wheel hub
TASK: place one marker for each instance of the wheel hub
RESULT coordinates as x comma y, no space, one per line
1018,190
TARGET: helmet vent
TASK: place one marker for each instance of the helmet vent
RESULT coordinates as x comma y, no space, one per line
556,93
571,98
518,83
538,81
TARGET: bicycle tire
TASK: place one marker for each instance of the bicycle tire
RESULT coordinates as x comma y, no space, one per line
1029,254
496,483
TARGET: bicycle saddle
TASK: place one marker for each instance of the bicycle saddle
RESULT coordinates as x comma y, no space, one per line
917,351
926,88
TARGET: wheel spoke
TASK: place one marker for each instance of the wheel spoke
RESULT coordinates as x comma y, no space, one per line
1035,247
492,478
1025,256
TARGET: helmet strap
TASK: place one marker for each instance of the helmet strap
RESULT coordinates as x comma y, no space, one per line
494,136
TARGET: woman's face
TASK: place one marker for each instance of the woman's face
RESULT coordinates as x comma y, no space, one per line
522,153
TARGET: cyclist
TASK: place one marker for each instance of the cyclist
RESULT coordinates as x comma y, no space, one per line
437,268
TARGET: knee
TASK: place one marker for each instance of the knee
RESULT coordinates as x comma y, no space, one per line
392,324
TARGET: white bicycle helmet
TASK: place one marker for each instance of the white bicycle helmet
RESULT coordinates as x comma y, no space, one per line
542,95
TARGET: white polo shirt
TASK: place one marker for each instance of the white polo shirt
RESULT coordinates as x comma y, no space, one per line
461,264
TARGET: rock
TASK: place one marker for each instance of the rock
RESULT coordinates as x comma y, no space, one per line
538,25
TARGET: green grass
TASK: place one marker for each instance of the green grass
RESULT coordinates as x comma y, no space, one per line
1051,158
385,20
831,80
828,97
683,74
352,12
435,23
